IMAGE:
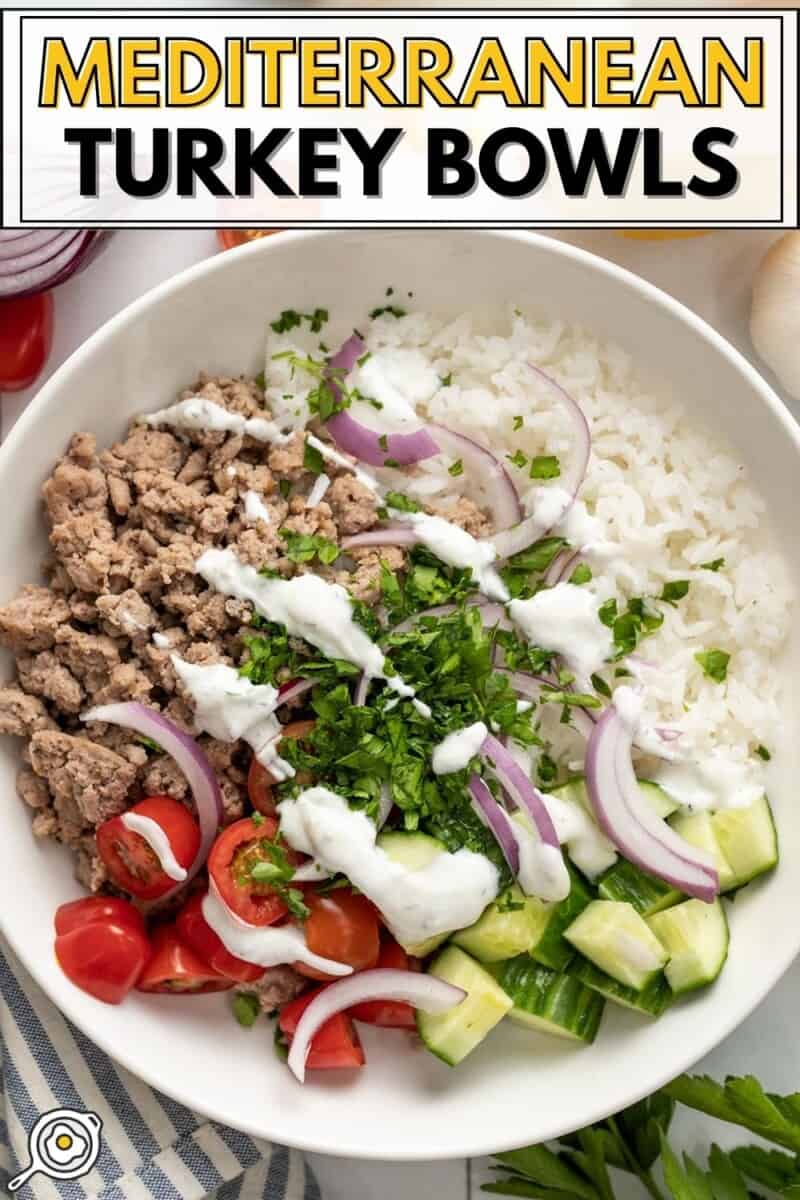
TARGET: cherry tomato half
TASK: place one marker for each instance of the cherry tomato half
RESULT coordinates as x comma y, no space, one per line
391,1014
175,967
260,780
104,958
26,336
334,1046
91,909
343,927
229,238
234,854
131,863
197,933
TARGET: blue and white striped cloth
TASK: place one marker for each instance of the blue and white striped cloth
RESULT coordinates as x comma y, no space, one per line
152,1147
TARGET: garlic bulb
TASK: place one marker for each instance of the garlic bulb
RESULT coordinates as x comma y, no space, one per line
775,311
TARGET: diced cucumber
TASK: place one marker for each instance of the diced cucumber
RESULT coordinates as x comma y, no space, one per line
550,1001
695,935
647,894
662,804
613,936
454,1034
748,839
415,851
652,999
552,918
698,830
506,928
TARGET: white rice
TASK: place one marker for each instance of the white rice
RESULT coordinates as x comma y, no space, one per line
668,494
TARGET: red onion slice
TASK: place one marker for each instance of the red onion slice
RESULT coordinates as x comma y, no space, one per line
390,535
629,821
291,690
492,815
511,541
190,759
514,780
36,266
367,445
498,485
426,992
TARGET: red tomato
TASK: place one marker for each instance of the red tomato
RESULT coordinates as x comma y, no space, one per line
343,927
228,238
91,909
391,1014
335,1045
197,933
26,335
104,958
175,967
131,863
235,852
260,780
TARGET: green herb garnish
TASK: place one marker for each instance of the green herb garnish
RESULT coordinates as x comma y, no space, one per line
716,564
312,459
291,319
518,459
455,469
402,503
545,466
303,547
581,574
246,1009
714,664
674,591
392,309
764,753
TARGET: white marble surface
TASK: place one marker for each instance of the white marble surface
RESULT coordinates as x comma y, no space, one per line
712,275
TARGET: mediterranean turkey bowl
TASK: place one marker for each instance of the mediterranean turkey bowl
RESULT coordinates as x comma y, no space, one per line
398,651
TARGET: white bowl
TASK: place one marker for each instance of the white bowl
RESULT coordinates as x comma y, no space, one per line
517,1087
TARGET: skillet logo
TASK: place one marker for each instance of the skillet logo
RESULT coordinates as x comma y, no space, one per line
358,117
63,1144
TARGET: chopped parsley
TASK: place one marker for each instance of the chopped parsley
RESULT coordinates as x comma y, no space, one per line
383,441
599,684
764,753
276,872
246,1009
522,570
716,564
393,310
446,380
569,699
401,503
303,547
508,903
261,380
312,459
674,591
149,744
455,469
714,664
364,358
639,620
545,466
581,574
284,487
291,319
518,423
391,462
518,459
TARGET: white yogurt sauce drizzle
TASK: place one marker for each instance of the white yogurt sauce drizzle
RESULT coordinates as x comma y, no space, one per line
309,607
158,842
327,451
449,893
161,640
264,945
229,707
457,750
542,871
564,619
589,848
454,546
197,413
255,509
399,379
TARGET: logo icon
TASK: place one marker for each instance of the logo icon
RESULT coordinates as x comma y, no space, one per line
63,1144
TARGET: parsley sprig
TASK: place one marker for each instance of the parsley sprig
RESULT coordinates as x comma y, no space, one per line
273,868
635,1142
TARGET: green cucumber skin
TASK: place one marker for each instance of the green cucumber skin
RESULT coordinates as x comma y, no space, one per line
558,998
647,894
651,1000
553,950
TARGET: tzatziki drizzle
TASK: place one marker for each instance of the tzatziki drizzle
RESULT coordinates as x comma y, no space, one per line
157,840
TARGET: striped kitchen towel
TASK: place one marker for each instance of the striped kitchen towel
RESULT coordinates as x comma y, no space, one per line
151,1147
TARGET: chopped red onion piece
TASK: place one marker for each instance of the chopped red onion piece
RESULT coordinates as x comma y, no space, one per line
495,820
522,792
501,495
38,260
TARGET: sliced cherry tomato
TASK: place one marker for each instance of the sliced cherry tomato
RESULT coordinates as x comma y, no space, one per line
175,967
391,1014
260,780
104,958
197,933
233,856
228,238
26,335
91,909
343,927
131,863
334,1046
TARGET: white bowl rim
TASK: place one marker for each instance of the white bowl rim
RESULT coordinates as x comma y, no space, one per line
770,972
